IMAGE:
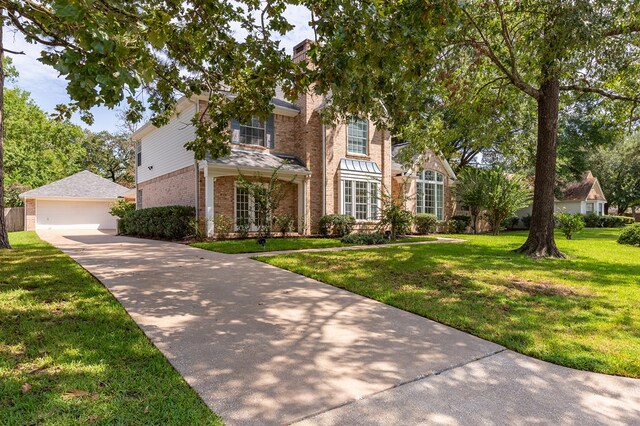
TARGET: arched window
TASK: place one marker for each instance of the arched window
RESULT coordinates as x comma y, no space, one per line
430,193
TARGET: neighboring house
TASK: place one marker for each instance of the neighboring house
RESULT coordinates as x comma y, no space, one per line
584,196
427,186
80,201
338,169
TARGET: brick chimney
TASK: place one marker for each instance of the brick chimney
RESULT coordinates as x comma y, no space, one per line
300,50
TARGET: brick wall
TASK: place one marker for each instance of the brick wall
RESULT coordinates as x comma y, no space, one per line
175,188
224,198
30,211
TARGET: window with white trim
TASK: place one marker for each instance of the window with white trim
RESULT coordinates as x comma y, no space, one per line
360,199
253,133
357,136
247,210
430,193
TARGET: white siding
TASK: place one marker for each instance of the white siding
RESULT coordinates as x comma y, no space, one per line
163,149
571,207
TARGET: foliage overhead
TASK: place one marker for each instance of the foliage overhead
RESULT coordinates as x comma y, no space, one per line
617,168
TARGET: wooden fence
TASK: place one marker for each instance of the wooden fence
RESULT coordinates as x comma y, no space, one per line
14,218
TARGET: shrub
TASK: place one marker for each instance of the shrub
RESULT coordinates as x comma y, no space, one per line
510,222
336,224
243,225
592,220
395,218
362,238
630,235
526,221
171,222
459,223
222,225
284,223
426,223
122,208
570,223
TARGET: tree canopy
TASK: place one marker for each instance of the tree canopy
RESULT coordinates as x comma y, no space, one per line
382,58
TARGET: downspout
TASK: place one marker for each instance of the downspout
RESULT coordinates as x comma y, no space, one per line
324,170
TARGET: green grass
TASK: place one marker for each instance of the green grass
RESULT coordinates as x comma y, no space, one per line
581,312
70,354
278,244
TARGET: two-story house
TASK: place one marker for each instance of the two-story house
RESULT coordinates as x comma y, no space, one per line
340,168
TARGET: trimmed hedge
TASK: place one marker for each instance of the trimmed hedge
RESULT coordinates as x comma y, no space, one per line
592,220
336,224
630,235
425,223
171,222
364,239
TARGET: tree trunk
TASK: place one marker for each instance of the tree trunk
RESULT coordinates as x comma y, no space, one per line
541,241
4,237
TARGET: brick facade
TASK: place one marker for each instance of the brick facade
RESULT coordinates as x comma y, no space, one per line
301,136
431,162
175,188
30,214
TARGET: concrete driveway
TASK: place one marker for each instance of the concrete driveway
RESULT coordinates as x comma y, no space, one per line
266,346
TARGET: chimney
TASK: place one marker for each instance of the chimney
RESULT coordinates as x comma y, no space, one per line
300,51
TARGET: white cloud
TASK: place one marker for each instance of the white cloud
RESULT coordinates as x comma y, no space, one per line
48,89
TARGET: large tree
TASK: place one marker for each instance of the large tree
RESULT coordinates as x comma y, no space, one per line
617,168
373,56
131,51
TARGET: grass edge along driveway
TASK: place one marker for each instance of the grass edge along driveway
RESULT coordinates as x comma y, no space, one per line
281,244
70,353
582,312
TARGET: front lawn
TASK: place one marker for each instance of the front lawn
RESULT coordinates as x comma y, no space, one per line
70,354
581,312
281,244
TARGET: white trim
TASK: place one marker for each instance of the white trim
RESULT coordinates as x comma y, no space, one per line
361,178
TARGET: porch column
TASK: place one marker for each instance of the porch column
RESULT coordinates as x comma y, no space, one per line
303,224
209,204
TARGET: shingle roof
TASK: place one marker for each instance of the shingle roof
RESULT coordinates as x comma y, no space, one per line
245,158
580,190
81,185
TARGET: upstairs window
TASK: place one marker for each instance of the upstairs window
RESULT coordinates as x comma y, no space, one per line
430,193
357,136
253,133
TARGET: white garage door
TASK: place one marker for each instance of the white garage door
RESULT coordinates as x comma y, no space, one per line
74,215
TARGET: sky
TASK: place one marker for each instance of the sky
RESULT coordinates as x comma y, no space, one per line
48,89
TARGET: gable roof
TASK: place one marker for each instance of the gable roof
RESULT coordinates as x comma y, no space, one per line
586,189
81,185
396,151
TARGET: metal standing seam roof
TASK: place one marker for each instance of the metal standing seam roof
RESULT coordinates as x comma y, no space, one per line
245,158
361,166
81,185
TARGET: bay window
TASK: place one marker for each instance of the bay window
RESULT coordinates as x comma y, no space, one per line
360,199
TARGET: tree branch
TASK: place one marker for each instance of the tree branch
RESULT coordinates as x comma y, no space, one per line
485,49
599,91
14,52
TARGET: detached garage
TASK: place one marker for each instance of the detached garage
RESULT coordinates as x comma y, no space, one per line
80,201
